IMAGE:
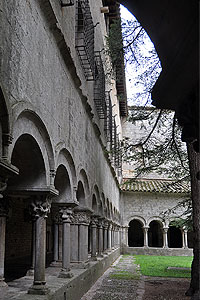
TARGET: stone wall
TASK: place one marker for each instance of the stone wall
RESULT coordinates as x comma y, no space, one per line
41,75
147,207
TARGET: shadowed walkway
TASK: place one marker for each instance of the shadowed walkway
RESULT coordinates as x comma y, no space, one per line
122,280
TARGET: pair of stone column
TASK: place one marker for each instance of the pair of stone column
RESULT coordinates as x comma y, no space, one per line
165,239
79,234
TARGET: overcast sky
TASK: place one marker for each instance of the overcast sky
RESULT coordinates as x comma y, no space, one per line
132,89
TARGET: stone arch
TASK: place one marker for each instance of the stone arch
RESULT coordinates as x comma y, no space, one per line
31,181
94,204
28,122
100,209
158,219
135,233
97,195
84,179
104,203
80,194
138,218
27,156
63,184
108,206
65,158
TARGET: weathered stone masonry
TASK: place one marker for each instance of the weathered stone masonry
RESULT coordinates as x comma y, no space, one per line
62,216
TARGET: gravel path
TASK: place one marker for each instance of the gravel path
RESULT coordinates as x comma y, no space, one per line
122,281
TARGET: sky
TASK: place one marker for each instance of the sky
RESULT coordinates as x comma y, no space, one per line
131,74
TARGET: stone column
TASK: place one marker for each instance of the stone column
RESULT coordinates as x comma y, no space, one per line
113,236
30,272
145,231
55,243
93,239
74,238
57,257
3,215
100,238
186,238
84,220
66,218
165,238
41,208
109,237
105,225
117,233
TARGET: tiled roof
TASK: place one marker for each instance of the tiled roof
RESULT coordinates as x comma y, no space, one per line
154,185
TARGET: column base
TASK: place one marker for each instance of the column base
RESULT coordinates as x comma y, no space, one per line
38,289
56,264
3,283
65,274
30,272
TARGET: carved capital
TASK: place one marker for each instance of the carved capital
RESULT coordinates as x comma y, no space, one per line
93,222
66,214
40,207
81,217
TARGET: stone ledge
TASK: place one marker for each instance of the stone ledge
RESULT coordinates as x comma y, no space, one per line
157,251
62,288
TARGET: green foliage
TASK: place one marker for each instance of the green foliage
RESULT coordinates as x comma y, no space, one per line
156,266
115,44
159,148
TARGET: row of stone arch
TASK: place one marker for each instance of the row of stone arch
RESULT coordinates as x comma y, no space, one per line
157,234
41,165
52,212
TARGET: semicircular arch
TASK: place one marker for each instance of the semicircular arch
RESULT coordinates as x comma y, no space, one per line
28,122
137,218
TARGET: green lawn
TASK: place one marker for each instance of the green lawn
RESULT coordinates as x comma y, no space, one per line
157,265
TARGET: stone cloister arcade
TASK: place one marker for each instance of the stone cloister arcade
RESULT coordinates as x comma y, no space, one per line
158,234
61,207
50,215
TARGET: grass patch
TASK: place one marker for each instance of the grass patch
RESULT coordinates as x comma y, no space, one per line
125,275
156,266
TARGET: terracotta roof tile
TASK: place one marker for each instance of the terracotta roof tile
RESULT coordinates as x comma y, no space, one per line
154,185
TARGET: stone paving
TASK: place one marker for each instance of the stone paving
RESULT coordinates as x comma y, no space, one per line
122,280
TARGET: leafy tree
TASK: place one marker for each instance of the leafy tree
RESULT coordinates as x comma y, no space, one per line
148,150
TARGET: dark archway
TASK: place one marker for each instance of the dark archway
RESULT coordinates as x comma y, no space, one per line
63,185
155,236
80,194
135,234
174,237
28,158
